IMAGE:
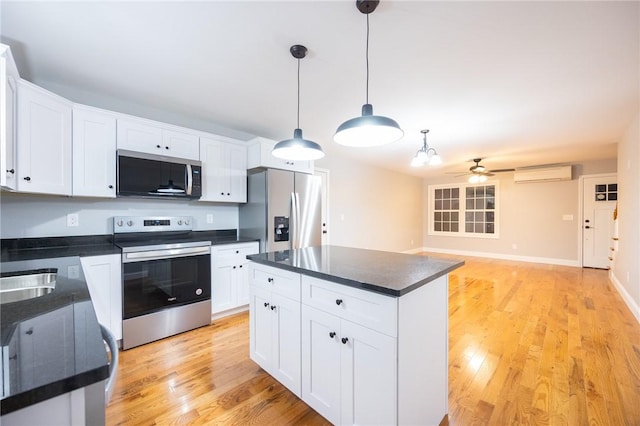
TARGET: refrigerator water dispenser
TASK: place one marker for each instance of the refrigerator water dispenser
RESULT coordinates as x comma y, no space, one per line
281,228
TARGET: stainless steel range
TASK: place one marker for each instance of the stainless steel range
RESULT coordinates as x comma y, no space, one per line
166,277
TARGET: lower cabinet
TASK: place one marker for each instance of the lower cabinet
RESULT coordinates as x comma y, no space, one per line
104,279
275,336
230,277
348,371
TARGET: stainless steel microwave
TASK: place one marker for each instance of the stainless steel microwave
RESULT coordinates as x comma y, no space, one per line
147,175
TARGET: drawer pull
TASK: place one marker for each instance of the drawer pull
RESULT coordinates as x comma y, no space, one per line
345,340
273,307
266,304
338,302
240,266
270,280
332,334
234,267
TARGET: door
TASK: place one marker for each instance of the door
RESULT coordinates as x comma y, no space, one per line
260,336
307,226
324,197
279,199
600,195
8,99
321,362
285,365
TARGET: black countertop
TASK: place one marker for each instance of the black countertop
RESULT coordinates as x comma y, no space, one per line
393,274
51,344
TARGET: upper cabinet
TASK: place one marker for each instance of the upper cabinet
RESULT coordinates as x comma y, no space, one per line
259,155
152,138
8,101
224,171
94,152
44,141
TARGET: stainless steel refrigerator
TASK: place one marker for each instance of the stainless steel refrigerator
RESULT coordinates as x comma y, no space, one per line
282,210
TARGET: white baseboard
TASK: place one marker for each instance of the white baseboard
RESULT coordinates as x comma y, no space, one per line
631,304
414,251
530,259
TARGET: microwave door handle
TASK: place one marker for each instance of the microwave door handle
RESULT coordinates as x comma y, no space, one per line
189,180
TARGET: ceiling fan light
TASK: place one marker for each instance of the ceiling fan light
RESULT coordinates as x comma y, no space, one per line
297,148
368,130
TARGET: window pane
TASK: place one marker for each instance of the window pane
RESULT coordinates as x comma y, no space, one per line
438,204
613,196
480,191
489,228
470,204
438,226
468,227
612,187
470,192
468,217
491,190
479,228
455,192
479,217
479,203
446,204
438,216
438,194
445,217
490,204
455,205
445,226
454,227
454,216
489,216
446,193
601,188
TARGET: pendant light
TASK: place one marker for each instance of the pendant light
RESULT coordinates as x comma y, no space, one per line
298,148
426,155
368,129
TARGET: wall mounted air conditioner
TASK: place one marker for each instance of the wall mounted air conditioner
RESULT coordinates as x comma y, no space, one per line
542,174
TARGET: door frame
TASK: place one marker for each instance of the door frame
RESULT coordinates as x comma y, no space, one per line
581,211
324,173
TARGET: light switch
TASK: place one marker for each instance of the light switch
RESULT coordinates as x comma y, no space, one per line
567,217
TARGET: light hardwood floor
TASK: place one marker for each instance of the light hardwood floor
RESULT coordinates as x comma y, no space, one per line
529,344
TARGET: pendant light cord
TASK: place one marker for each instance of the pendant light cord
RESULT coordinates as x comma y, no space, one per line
298,122
367,59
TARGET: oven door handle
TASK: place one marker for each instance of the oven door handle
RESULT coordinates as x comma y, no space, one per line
141,256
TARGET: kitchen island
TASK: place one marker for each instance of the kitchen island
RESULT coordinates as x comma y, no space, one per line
359,335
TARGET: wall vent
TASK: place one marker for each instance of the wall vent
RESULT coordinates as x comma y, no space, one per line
542,174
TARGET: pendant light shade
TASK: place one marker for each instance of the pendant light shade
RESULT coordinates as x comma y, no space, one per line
368,129
298,148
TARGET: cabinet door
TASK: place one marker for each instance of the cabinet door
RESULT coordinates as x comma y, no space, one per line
180,144
237,172
140,137
259,155
242,283
8,99
369,376
223,291
94,154
285,365
104,279
321,362
44,141
215,183
260,336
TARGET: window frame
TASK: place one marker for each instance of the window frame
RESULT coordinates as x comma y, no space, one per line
462,190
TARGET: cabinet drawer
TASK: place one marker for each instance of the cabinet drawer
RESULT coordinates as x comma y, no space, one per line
279,281
371,310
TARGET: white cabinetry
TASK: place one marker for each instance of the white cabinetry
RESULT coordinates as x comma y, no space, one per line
349,371
230,277
8,103
259,155
104,279
44,141
275,323
152,138
224,171
94,153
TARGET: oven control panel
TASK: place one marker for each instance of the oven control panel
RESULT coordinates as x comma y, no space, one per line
122,224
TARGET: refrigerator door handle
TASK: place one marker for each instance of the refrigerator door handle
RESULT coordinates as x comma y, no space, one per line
298,223
293,225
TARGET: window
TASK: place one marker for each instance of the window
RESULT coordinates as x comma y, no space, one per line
464,210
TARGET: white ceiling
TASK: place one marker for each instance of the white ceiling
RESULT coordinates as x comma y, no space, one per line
517,83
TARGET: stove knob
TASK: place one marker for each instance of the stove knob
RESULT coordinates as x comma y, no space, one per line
129,223
179,221
120,223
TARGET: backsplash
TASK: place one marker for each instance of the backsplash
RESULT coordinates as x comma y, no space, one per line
31,215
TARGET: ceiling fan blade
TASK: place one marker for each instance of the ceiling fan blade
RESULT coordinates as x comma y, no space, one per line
502,170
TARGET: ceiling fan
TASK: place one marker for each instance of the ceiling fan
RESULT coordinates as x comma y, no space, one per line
480,170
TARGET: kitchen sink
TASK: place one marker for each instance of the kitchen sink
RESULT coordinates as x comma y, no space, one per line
25,285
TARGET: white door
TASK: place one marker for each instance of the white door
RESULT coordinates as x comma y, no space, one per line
260,336
286,342
324,200
223,291
600,195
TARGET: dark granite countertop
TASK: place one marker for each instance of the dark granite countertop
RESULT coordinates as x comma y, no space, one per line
393,274
51,344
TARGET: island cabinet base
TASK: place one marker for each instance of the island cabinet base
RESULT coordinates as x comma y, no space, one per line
362,357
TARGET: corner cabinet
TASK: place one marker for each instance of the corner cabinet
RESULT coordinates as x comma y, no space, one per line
44,141
104,280
259,155
274,324
94,153
224,171
149,137
230,277
8,101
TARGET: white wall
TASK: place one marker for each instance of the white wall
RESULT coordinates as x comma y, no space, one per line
30,215
373,208
531,218
626,269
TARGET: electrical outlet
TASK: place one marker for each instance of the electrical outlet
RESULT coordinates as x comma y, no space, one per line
73,271
209,218
73,219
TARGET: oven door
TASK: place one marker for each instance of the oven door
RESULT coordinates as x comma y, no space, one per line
154,280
